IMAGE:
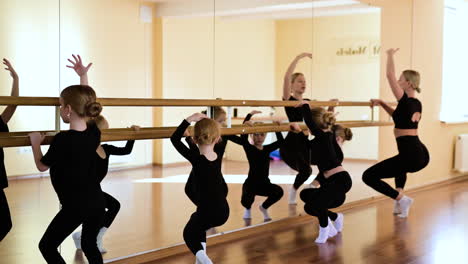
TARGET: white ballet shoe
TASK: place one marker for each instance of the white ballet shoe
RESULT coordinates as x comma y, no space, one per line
396,208
331,229
405,204
338,223
323,235
202,257
247,214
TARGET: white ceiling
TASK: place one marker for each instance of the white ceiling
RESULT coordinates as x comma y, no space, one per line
251,9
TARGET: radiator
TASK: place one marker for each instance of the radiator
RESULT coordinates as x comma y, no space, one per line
461,153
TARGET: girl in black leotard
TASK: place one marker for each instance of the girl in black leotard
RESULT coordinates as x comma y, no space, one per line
72,163
412,155
342,134
212,207
257,182
337,182
102,156
5,217
219,115
294,151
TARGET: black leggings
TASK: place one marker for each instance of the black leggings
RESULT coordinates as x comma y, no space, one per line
5,217
63,224
412,157
331,194
202,220
296,154
250,189
113,208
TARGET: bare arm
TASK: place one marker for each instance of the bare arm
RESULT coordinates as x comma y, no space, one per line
289,72
80,69
385,106
391,77
10,109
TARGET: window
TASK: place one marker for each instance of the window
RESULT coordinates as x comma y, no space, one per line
455,55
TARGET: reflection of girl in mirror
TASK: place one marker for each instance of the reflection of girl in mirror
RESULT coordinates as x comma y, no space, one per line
412,154
257,182
5,217
103,153
295,152
212,206
336,183
342,134
71,159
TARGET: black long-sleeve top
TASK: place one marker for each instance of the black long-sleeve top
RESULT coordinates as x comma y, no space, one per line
72,161
207,176
259,159
102,165
330,153
3,175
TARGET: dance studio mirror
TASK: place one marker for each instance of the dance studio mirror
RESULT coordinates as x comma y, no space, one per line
184,49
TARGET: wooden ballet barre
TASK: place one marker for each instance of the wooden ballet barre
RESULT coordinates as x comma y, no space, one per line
112,130
159,129
54,101
10,140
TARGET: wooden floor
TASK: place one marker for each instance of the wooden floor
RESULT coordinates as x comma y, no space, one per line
152,215
435,232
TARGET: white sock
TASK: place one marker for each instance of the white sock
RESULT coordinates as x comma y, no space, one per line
323,235
292,195
338,223
247,214
202,258
331,229
204,245
264,211
100,235
405,204
77,239
204,249
396,208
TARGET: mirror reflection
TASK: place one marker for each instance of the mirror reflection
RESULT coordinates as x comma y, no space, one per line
206,49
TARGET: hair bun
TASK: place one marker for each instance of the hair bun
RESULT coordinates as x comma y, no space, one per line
329,119
348,133
93,109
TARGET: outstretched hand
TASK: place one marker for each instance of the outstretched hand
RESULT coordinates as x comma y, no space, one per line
78,66
304,55
196,117
10,68
391,52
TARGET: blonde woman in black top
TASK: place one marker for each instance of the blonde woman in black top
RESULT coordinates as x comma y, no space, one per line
412,155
